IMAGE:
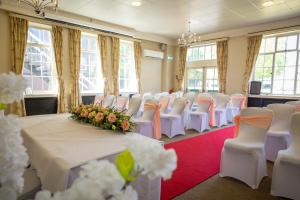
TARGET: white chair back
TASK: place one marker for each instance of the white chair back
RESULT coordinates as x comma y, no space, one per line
191,96
137,95
296,104
282,116
295,132
108,101
204,106
121,102
235,101
221,101
252,133
149,114
134,106
178,106
98,99
147,95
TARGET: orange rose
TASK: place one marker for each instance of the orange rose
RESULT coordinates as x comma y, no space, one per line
111,118
99,117
84,113
125,125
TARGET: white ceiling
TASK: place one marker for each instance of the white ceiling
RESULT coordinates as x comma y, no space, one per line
169,17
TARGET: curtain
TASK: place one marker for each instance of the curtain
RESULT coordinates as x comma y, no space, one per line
103,55
252,53
74,51
115,64
138,60
57,39
18,31
222,58
181,66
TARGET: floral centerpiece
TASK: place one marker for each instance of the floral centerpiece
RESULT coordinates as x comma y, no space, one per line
106,118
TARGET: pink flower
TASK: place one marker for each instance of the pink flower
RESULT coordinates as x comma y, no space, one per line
125,125
99,117
78,110
111,118
84,113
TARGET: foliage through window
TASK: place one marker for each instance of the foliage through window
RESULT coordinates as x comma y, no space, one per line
39,65
277,65
205,52
204,79
91,81
127,75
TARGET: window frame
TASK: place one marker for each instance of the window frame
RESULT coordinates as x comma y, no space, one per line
297,64
41,93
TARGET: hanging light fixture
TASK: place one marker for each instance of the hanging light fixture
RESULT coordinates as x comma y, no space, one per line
188,38
39,6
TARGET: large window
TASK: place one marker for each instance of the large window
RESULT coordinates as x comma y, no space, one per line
277,65
127,76
91,81
39,66
205,52
204,79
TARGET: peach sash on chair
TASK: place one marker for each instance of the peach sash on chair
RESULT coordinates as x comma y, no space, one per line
164,102
210,101
98,100
122,102
156,119
259,121
242,99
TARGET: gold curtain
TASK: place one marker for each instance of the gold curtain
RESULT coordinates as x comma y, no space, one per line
252,53
74,51
103,55
18,32
57,39
181,66
115,47
222,58
138,61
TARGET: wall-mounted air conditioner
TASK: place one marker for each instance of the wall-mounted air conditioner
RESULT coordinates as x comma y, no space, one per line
153,54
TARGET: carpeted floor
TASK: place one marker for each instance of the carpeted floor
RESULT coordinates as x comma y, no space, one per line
217,188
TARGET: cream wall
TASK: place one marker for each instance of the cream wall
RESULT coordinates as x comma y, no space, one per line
5,60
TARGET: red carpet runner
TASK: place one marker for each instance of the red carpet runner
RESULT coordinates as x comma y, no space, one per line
198,159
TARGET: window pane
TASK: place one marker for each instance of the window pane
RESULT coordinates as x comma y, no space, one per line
268,61
201,53
195,79
291,42
262,46
208,53
281,43
280,59
291,58
270,45
266,87
214,52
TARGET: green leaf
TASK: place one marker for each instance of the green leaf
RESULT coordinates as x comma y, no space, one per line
2,106
125,164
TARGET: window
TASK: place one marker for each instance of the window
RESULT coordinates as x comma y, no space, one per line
90,80
204,79
39,66
127,76
206,52
277,64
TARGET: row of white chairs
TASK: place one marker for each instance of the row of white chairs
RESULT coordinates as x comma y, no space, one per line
244,157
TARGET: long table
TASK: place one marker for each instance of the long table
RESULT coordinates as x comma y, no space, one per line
57,146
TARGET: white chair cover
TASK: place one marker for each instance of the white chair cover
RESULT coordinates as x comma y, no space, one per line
121,103
134,106
172,123
108,101
286,170
234,107
278,137
144,123
221,102
296,104
199,119
243,157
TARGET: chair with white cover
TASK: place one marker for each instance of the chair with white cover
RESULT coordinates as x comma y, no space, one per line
221,102
147,95
243,157
98,100
286,170
172,123
121,103
236,104
164,103
199,119
149,124
172,98
296,104
134,106
278,136
108,101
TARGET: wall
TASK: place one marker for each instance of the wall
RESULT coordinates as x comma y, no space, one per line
5,60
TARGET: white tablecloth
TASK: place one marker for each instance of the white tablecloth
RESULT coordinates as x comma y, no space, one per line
58,146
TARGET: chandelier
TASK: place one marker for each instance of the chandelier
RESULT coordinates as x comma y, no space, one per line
189,38
39,6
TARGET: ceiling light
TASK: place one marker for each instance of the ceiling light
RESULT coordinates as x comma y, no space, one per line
268,3
136,3
40,6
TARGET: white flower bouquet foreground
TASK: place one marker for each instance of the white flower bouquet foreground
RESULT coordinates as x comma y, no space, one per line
102,180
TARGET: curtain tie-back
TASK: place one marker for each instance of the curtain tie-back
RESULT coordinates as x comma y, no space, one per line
211,103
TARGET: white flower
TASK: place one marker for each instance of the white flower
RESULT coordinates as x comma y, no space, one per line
11,87
128,194
151,157
13,156
7,193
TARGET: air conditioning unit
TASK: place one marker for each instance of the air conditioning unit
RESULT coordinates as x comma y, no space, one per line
153,54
